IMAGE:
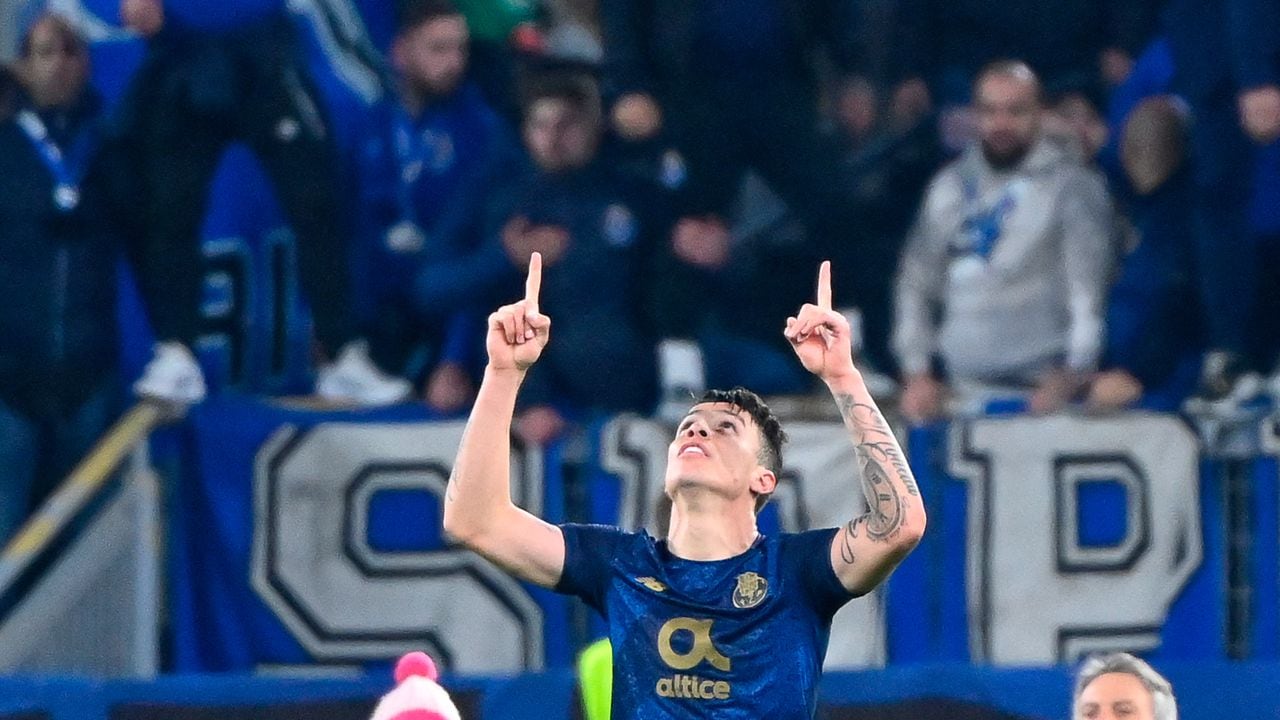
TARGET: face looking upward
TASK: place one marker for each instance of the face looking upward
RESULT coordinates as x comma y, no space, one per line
1115,696
717,448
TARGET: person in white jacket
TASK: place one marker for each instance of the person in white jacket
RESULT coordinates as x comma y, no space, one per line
1003,280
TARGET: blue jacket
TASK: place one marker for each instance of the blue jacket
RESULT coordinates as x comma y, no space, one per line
455,152
219,16
58,335
1223,45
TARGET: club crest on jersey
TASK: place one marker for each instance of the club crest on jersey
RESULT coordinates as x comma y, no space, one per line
652,583
750,591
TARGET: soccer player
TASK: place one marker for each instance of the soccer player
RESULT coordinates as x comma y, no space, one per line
715,619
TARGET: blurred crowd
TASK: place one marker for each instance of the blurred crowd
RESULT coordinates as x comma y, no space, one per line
1027,205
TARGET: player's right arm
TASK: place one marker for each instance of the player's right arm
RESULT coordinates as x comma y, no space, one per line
478,511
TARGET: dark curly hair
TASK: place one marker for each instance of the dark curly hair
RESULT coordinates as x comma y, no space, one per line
771,431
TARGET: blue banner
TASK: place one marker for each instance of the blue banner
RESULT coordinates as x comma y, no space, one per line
1050,538
303,537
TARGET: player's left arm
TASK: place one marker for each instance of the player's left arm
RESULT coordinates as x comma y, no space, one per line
869,546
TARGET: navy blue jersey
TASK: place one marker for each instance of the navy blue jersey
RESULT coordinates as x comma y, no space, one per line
737,638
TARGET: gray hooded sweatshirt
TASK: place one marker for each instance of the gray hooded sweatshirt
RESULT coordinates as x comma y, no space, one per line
1005,273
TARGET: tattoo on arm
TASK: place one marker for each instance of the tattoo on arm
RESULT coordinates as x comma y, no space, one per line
850,532
873,438
879,457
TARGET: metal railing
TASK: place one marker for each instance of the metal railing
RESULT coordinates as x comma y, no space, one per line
81,486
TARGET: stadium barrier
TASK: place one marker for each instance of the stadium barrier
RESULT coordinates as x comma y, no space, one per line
79,583
1205,691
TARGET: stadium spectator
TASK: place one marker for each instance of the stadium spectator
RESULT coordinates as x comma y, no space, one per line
886,165
1226,65
216,73
733,86
1120,685
1078,125
596,231
1013,246
429,156
60,241
496,28
1152,340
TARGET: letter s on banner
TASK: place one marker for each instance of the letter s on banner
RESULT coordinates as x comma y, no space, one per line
1036,595
342,599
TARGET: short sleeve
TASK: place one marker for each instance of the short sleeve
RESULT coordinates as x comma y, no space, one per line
589,551
806,558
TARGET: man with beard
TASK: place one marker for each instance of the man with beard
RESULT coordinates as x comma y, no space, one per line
428,158
1012,249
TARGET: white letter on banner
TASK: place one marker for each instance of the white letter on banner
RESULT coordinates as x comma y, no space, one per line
1036,596
344,600
819,488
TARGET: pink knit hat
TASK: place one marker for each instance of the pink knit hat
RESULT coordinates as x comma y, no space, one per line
417,695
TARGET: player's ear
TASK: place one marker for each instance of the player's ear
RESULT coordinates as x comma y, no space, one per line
764,482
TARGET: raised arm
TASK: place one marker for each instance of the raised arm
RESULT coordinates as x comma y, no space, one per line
478,511
869,546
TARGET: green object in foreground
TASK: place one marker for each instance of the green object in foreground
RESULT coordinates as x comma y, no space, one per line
495,19
595,678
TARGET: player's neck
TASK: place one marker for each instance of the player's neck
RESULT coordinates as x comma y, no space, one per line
710,530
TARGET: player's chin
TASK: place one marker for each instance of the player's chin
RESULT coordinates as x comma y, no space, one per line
698,480
692,466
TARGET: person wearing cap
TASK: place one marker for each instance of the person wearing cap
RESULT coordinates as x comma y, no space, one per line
417,695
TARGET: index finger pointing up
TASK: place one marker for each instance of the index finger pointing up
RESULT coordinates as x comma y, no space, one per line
533,284
824,285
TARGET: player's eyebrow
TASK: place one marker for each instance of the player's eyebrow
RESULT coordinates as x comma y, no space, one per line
734,416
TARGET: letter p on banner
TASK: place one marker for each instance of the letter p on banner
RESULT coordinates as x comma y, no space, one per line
1040,589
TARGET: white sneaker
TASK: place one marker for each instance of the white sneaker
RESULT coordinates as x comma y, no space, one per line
172,376
354,378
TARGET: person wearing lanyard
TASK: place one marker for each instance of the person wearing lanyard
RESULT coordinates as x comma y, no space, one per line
429,157
60,241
